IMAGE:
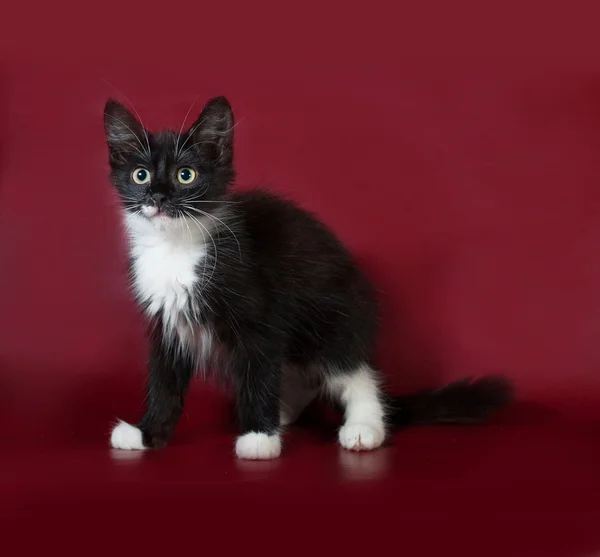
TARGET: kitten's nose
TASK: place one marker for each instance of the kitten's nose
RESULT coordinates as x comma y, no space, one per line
158,199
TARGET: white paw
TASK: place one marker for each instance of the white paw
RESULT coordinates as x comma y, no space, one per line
361,437
126,436
258,446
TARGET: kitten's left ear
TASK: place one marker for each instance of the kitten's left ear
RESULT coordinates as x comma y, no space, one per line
212,132
124,134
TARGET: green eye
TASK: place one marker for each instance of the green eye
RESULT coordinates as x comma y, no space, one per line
186,175
140,176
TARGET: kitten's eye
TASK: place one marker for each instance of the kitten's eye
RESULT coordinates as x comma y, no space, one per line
186,175
140,176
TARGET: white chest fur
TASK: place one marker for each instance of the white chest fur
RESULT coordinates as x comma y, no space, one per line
168,257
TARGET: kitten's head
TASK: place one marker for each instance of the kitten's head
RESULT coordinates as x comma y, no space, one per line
170,175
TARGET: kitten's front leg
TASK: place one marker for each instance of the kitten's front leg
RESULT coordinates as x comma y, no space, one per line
258,385
169,375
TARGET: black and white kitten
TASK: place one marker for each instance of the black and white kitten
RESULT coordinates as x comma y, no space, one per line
255,289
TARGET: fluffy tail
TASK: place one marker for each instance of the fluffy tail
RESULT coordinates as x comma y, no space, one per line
462,402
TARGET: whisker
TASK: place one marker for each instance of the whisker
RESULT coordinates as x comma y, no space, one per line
223,134
206,142
194,196
182,125
182,215
180,212
135,111
222,222
146,153
202,228
198,195
192,130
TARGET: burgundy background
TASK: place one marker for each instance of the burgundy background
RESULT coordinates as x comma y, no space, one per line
455,151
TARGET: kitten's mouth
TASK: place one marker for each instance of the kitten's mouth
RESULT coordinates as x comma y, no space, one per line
151,212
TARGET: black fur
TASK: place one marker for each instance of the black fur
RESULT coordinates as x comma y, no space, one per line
465,401
282,293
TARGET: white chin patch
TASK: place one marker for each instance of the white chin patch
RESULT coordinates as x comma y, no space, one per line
126,436
149,211
258,446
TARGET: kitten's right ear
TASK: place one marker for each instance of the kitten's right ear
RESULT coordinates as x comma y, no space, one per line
124,134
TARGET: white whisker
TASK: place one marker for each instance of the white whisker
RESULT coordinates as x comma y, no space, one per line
136,113
224,133
220,221
191,132
182,125
146,153
183,215
202,228
206,142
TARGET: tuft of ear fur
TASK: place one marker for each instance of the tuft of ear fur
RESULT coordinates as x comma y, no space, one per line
124,134
212,133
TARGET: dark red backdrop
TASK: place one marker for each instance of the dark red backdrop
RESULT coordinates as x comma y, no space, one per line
459,161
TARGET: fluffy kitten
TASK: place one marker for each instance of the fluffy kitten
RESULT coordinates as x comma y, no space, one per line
255,289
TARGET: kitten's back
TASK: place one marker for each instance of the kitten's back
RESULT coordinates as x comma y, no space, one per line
313,283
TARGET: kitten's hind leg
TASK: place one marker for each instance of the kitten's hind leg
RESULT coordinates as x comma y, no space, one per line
296,395
359,394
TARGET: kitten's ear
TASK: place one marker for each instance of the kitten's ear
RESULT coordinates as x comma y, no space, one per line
212,132
124,134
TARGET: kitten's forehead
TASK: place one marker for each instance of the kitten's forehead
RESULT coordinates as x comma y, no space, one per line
163,142
169,147
162,149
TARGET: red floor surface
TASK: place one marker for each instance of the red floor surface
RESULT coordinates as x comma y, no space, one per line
455,153
526,485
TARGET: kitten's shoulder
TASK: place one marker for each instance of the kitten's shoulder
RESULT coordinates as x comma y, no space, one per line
260,198
258,203
276,220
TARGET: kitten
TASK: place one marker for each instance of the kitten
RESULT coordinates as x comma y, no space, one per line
255,289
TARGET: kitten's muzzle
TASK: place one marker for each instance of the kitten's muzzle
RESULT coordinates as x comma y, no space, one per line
154,205
158,199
